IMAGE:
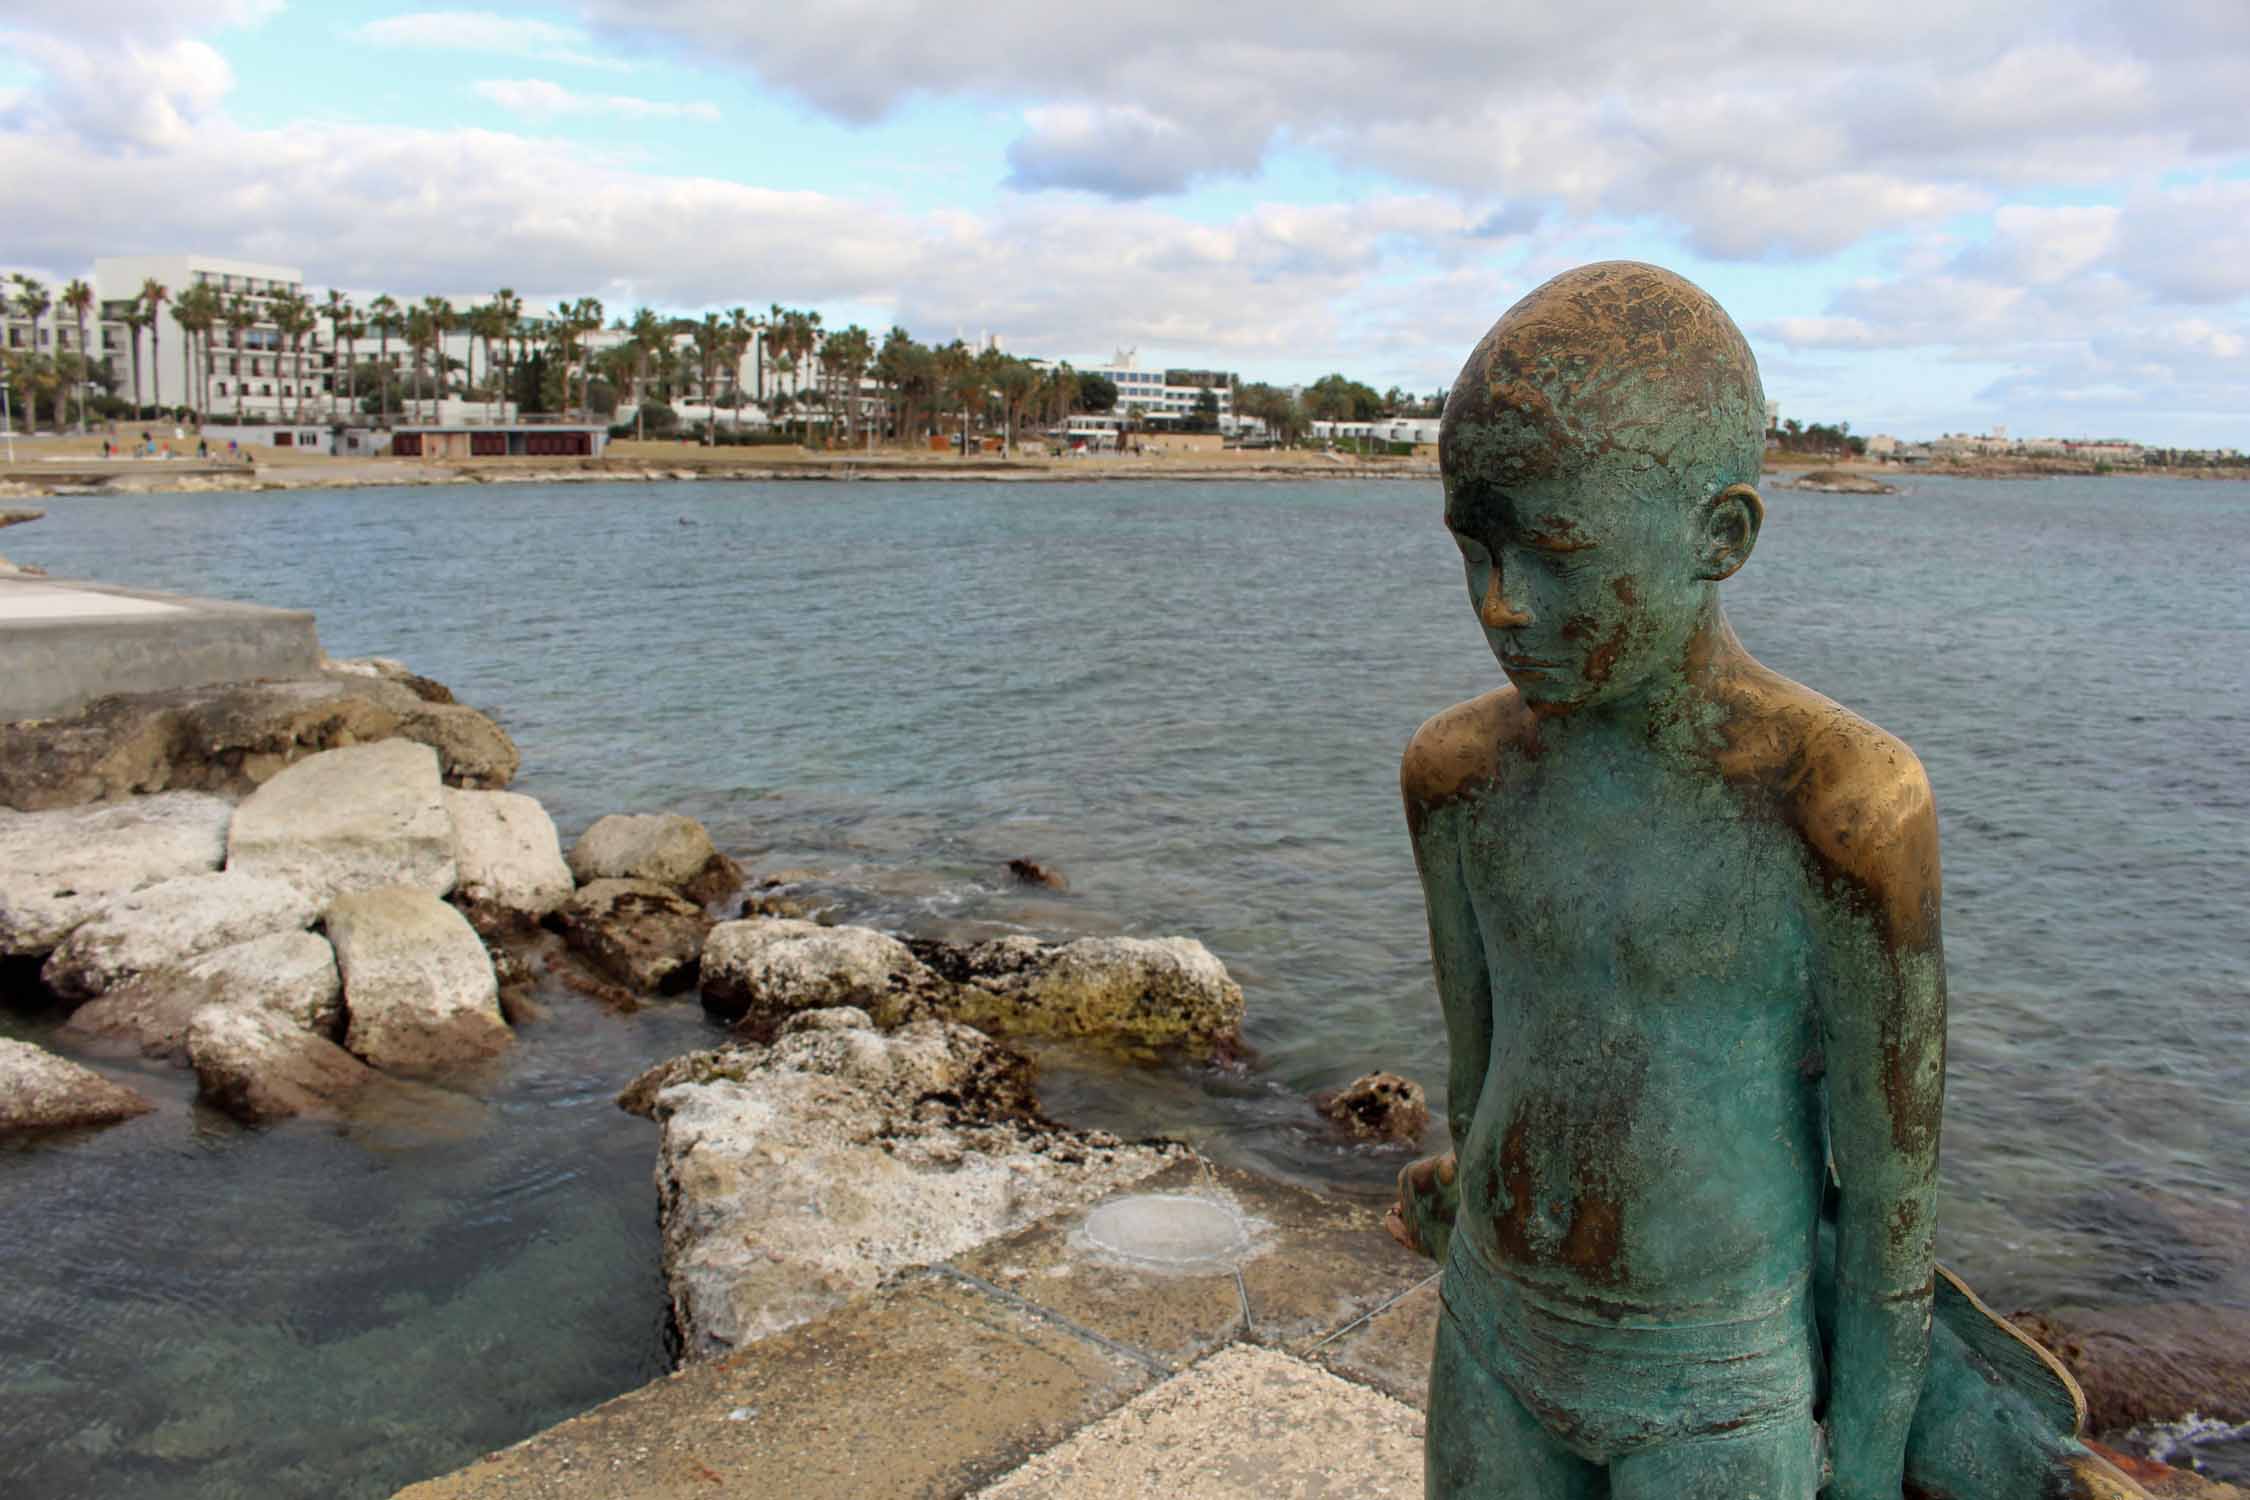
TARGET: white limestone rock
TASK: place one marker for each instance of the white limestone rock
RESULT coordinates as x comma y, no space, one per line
795,1176
258,1065
771,967
667,848
169,924
290,973
419,990
59,868
508,856
349,820
40,1091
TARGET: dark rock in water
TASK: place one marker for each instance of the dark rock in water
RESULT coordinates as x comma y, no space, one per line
234,738
1147,992
19,517
2155,1363
255,1065
642,934
1030,872
1378,1106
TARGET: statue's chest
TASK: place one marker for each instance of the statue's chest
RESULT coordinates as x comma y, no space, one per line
1635,879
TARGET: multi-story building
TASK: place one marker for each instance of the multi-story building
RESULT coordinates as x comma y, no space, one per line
247,368
1161,398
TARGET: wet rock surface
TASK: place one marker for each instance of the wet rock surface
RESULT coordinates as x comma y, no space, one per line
258,1065
666,848
2155,1363
1379,1107
232,739
40,1091
1145,991
419,991
59,868
643,935
796,1175
348,820
1841,482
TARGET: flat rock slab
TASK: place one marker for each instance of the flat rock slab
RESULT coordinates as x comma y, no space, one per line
1247,1422
257,1065
59,868
1391,1350
418,984
508,854
924,1391
290,973
171,923
348,820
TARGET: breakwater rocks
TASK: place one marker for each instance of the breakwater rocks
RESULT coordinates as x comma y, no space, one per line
1840,482
796,1174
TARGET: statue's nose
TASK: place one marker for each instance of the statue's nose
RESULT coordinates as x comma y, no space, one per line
1496,612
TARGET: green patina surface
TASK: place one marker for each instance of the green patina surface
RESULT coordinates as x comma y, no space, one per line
1684,917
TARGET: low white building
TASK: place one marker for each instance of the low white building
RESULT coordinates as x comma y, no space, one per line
1162,398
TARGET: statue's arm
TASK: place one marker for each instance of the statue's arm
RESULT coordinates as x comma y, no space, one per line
1882,987
1429,1195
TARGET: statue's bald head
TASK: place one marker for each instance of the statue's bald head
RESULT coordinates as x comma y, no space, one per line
1616,371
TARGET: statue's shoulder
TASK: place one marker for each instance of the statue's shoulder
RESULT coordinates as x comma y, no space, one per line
1854,791
1460,749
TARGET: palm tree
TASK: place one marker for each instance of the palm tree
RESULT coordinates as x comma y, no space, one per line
848,354
419,334
348,334
33,301
487,323
154,294
338,310
383,314
507,320
442,320
241,317
197,311
647,331
79,298
296,317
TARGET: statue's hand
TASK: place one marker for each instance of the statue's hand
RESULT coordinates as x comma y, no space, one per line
1428,1198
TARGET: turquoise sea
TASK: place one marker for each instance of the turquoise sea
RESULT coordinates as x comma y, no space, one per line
1191,699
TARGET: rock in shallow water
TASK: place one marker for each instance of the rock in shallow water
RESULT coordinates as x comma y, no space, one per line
508,858
794,1176
59,868
1378,1106
170,923
767,968
645,936
349,820
40,1091
257,1065
667,848
418,985
1147,991
290,973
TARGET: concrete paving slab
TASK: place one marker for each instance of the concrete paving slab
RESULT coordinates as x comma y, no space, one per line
1390,1350
1176,1316
1332,1264
929,1389
28,600
66,642
1246,1422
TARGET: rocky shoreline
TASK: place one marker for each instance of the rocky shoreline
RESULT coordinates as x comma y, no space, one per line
319,895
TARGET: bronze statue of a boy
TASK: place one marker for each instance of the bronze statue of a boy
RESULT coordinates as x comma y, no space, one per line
1684,919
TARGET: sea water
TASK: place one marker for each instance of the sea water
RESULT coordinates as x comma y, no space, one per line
1191,699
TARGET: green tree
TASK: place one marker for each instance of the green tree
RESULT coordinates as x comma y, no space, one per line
32,300
383,313
1097,393
154,294
79,298
241,317
848,354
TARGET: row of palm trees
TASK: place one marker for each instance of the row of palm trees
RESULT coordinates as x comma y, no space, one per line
797,368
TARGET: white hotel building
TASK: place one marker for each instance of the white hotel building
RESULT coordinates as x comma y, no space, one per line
254,371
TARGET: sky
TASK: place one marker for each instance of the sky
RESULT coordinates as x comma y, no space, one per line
1928,216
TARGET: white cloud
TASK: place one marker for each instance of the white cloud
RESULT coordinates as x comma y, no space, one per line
1758,127
131,94
540,99
485,31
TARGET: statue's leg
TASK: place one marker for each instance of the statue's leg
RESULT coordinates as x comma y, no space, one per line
1779,1461
1481,1444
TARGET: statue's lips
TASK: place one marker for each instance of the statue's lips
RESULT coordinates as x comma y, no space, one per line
1528,664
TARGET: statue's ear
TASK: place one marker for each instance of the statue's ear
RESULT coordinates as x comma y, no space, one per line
1731,519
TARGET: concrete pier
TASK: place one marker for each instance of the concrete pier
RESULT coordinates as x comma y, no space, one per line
64,643
1204,1332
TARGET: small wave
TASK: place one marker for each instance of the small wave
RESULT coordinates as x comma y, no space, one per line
2188,1443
